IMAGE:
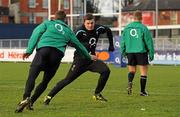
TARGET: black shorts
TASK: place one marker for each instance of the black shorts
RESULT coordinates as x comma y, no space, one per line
47,58
137,59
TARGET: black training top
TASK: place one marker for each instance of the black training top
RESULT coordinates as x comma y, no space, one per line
90,38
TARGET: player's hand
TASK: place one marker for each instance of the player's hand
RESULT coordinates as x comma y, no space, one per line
151,57
111,49
124,54
93,57
26,55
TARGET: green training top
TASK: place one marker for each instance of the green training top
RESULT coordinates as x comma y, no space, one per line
54,33
136,38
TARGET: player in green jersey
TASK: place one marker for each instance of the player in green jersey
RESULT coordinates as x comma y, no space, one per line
50,39
137,44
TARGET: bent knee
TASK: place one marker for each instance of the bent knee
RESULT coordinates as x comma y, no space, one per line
106,70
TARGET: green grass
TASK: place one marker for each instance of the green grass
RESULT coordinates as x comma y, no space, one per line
75,100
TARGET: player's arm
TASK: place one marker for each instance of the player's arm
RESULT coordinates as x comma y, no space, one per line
122,44
110,37
36,34
149,43
79,36
103,29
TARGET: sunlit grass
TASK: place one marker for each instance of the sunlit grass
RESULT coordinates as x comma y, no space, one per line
75,100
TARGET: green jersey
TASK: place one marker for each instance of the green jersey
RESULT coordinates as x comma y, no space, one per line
136,38
54,33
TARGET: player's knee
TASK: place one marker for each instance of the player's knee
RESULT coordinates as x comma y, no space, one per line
107,71
131,74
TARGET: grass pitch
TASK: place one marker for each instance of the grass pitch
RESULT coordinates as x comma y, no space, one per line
75,100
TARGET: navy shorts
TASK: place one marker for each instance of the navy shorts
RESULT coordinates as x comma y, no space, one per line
137,59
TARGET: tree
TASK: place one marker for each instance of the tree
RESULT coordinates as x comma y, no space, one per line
90,7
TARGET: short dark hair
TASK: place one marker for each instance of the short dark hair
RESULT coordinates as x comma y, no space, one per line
88,16
60,15
138,15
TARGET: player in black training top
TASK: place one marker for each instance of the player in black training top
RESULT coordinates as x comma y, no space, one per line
88,34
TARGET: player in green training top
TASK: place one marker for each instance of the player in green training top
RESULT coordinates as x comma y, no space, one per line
50,39
137,44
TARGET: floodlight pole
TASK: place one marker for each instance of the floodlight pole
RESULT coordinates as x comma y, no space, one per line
156,20
71,12
119,19
59,4
85,7
49,9
9,2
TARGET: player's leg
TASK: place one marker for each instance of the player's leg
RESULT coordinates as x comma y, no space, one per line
30,83
30,86
48,75
132,62
143,66
131,74
77,68
52,63
104,71
143,79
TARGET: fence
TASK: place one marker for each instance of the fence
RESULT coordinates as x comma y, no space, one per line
13,43
167,44
162,44
167,50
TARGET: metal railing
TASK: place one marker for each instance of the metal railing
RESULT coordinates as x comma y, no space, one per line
172,44
159,44
13,43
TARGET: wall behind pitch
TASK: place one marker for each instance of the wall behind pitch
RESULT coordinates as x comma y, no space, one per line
16,31
15,55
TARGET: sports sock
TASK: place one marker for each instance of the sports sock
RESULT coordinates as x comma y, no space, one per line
130,76
143,80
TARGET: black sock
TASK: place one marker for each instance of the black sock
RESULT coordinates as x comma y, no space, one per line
143,80
130,76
